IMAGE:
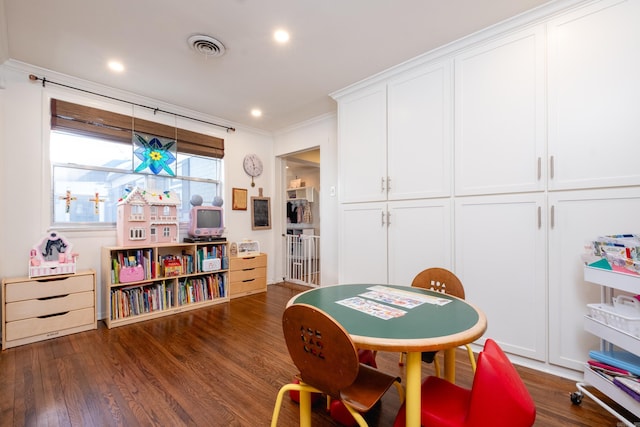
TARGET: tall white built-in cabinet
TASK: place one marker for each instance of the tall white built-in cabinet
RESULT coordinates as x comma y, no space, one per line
498,157
395,215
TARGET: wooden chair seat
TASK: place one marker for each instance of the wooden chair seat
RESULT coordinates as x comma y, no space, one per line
365,391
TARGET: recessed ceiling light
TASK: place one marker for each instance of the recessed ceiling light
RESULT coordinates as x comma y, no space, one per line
116,66
256,112
281,36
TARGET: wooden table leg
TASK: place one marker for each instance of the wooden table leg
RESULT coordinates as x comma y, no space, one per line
305,408
414,378
450,365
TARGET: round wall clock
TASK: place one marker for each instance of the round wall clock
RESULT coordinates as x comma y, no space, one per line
252,166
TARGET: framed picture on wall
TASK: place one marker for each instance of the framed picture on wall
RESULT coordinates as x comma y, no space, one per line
260,213
239,199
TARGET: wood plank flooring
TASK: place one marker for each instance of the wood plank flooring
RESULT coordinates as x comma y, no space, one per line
218,366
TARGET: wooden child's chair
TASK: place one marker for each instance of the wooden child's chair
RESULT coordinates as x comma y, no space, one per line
327,359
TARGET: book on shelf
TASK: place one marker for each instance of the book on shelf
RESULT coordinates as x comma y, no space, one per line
139,299
612,370
619,359
134,258
210,252
202,288
630,385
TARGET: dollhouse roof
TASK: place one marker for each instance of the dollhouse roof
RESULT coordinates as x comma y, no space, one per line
150,197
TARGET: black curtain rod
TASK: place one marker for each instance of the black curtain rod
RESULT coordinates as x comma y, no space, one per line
155,109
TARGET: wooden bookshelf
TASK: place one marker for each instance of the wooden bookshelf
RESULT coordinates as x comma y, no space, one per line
146,282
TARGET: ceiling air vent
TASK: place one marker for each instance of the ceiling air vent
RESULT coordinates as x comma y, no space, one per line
206,45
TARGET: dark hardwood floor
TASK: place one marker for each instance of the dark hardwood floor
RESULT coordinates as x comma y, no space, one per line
218,366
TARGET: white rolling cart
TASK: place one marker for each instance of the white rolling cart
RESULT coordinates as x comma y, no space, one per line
611,336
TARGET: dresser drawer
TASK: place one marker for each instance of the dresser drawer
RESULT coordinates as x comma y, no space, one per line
248,262
249,286
247,274
34,289
36,309
49,324
49,305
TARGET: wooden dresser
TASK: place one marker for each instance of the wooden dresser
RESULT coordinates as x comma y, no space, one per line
247,275
41,308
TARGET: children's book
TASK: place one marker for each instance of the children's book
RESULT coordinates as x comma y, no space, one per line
630,386
619,359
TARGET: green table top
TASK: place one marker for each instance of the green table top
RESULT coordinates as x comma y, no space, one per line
423,328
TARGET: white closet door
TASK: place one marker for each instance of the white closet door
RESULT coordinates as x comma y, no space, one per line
419,237
362,249
576,218
594,96
500,253
499,116
362,145
420,133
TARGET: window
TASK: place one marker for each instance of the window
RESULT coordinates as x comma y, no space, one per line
137,233
90,172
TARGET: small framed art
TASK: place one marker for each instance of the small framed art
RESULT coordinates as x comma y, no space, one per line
239,199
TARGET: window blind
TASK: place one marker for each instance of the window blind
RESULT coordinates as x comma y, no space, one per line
94,122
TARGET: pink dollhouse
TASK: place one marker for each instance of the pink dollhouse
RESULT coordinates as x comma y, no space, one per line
147,217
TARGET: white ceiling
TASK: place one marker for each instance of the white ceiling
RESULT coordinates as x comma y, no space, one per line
334,43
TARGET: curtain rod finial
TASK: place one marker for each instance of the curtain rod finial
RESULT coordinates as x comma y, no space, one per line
231,130
35,78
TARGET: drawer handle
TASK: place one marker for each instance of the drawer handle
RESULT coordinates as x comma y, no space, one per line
53,315
53,297
53,279
248,280
248,269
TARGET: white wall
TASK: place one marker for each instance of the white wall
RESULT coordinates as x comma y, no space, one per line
25,178
319,133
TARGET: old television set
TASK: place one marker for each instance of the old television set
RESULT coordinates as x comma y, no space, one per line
206,221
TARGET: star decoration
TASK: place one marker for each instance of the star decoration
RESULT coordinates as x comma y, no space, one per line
154,154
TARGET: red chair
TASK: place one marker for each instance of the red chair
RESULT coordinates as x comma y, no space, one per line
498,397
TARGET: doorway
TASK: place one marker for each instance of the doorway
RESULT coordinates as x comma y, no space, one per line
301,239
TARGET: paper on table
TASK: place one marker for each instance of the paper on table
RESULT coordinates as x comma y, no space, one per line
402,298
372,308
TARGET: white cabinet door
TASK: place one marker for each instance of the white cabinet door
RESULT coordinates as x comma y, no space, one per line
419,133
500,253
594,96
499,116
362,249
419,237
576,218
362,145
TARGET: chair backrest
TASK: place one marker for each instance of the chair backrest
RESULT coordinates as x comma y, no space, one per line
320,348
441,280
498,395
